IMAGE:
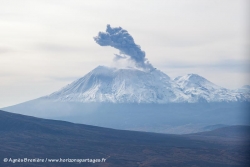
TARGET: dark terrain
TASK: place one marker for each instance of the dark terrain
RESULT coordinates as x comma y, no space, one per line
29,137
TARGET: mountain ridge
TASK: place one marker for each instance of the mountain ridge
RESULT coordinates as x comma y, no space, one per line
105,84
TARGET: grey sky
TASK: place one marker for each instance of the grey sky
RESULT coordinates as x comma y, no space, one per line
46,44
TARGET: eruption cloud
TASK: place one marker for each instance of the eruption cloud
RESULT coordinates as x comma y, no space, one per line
120,39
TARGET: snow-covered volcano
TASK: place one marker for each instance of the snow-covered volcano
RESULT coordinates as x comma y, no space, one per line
104,84
133,99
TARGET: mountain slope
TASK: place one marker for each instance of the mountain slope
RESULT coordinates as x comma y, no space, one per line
245,90
29,137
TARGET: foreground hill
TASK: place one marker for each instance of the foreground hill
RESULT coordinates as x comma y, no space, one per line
29,137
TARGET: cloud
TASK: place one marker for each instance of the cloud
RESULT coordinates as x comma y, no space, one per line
58,48
124,42
4,50
241,66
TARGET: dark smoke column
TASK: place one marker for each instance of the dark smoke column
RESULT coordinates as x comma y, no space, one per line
124,42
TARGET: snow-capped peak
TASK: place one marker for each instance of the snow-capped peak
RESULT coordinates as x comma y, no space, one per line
194,81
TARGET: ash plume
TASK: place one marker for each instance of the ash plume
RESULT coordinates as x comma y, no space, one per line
120,39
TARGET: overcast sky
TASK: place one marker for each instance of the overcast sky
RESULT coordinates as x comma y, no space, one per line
47,44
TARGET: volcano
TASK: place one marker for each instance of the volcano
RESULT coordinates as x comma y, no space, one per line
134,99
